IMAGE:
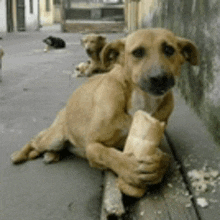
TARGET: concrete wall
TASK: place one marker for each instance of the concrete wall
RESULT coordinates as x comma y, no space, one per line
198,20
3,21
31,19
136,12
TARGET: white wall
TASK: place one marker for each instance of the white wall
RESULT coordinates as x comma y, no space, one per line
3,24
31,19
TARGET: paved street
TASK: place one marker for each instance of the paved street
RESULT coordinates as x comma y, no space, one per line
35,86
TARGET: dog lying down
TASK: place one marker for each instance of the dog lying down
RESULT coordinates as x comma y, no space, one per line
98,115
54,43
93,45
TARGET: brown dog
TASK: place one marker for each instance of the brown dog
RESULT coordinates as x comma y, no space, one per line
98,116
93,45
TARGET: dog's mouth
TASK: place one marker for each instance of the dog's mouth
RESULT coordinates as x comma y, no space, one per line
157,86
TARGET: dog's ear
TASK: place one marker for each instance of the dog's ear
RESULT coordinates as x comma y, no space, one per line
101,42
113,53
83,39
189,51
101,38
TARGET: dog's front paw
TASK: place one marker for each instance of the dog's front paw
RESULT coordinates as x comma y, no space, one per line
77,73
157,164
145,172
82,69
132,171
88,73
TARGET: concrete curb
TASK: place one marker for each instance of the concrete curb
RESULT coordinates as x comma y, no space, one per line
112,205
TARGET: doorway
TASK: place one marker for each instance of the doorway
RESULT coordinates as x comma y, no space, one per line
20,15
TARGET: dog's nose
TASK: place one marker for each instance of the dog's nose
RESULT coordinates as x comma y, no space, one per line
88,51
163,80
161,83
157,84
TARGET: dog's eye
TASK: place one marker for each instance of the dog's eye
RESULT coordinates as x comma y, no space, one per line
139,52
112,55
168,50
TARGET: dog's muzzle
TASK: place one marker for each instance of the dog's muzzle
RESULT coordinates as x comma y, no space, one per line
89,52
157,85
47,41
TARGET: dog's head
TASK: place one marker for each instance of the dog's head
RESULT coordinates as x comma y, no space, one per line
151,58
48,40
93,44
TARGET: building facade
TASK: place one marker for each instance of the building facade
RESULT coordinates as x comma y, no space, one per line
32,14
19,15
46,12
3,16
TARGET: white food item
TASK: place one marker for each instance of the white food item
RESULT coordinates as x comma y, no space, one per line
202,202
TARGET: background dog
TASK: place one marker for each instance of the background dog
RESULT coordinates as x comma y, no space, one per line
54,43
98,116
93,45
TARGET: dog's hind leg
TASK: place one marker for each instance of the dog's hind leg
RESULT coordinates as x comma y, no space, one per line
49,141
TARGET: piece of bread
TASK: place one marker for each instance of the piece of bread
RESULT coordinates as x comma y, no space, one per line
143,139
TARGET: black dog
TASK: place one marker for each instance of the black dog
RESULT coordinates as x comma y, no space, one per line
54,42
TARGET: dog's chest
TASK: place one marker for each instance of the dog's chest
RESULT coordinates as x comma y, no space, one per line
141,101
